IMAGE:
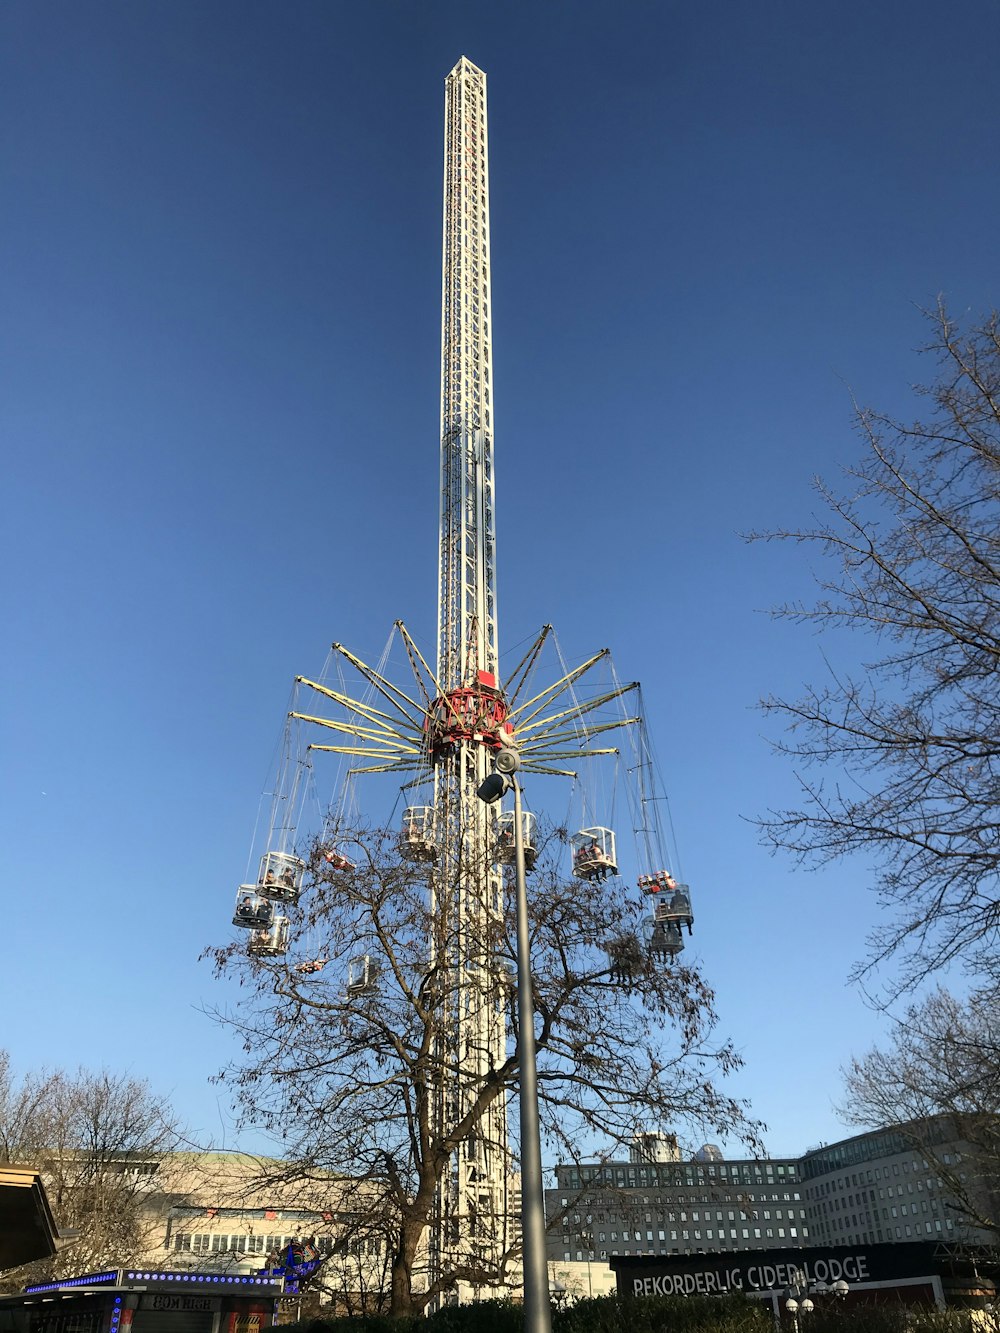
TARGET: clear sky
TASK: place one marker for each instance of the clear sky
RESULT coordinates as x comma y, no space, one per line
220,336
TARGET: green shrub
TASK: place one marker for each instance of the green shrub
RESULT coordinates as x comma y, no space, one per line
654,1314
658,1314
887,1319
483,1317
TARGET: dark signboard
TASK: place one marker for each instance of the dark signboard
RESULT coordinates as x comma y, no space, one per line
770,1270
178,1301
51,1319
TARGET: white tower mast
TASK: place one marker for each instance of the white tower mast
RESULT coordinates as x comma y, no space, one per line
470,713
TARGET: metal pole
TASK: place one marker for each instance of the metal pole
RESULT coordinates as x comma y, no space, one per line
537,1316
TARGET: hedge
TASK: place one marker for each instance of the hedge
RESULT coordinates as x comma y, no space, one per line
653,1314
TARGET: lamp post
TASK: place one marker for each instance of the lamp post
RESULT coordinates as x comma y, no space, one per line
537,1316
798,1292
798,1302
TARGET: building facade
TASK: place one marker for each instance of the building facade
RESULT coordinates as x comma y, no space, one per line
880,1187
234,1213
645,1206
883,1186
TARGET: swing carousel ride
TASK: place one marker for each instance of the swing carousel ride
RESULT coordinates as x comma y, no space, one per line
435,740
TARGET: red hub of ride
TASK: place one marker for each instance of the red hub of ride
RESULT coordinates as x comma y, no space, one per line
474,712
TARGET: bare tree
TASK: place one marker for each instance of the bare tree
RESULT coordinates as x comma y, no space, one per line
28,1112
938,1086
98,1139
346,1075
906,754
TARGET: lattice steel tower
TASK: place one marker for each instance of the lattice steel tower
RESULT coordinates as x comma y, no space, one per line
473,1207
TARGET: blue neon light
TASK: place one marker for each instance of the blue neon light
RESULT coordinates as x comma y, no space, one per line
115,1277
89,1280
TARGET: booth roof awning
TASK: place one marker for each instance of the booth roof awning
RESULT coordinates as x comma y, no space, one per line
27,1229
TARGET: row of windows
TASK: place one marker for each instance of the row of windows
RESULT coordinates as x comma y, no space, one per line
675,1199
199,1243
836,1206
755,1215
677,1174
633,1243
744,1233
215,1243
871,1147
720,1246
867,1149
874,1176
905,1231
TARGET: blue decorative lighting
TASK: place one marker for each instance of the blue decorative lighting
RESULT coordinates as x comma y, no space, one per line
119,1278
89,1280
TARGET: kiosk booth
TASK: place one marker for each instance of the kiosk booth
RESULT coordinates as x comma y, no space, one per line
133,1301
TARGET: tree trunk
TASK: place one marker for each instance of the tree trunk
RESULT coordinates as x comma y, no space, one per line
402,1303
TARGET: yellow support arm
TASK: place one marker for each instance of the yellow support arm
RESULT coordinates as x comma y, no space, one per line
579,709
360,750
556,772
372,676
570,734
441,694
563,683
382,768
382,736
355,705
533,755
522,671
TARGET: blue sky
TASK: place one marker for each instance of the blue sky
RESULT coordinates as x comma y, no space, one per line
220,339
